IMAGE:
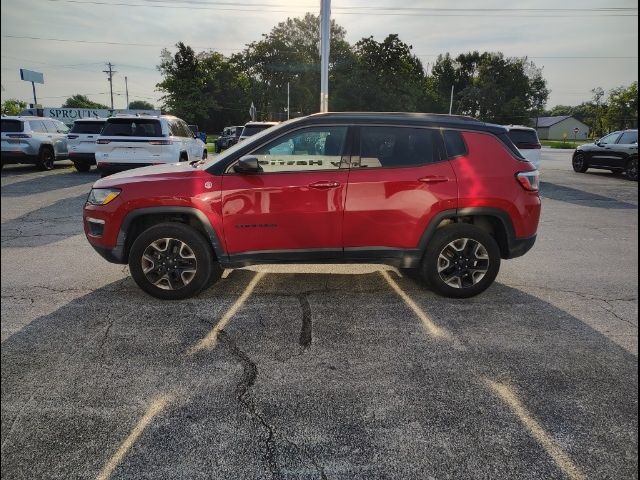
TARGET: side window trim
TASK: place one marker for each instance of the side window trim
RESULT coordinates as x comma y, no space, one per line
344,164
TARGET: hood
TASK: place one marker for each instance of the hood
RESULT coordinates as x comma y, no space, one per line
154,172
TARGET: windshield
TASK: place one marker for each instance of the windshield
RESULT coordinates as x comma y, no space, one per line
87,127
254,140
11,126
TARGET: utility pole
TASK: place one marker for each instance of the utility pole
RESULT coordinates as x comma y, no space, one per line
451,101
325,37
288,96
126,91
110,73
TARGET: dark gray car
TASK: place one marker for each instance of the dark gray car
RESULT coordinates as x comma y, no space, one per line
617,152
36,140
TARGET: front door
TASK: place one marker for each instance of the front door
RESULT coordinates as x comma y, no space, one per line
398,181
604,153
294,206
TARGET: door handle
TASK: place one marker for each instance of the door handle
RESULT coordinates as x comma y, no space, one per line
433,179
323,185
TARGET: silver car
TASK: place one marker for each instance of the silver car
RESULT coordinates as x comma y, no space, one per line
37,140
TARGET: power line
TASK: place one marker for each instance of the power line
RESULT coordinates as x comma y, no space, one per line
400,11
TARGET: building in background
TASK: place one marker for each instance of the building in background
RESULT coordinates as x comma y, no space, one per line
69,115
555,128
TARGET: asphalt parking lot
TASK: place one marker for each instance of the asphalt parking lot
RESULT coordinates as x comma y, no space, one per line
333,372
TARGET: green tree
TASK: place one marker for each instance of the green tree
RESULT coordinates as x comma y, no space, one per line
82,101
205,89
622,108
12,106
140,105
385,76
491,86
289,53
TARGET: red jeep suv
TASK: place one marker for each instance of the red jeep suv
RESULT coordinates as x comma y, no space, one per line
446,195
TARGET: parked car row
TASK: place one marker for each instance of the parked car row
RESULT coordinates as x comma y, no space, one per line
232,135
113,144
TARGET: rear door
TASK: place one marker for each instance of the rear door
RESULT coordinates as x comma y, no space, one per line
399,179
295,205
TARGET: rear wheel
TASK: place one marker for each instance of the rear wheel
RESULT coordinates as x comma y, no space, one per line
579,163
171,261
205,154
461,261
631,169
47,158
82,167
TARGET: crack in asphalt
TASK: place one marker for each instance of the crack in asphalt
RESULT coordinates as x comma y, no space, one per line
249,375
588,296
612,312
307,323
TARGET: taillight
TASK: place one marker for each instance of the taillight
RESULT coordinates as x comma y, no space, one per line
71,137
161,142
19,135
103,141
529,180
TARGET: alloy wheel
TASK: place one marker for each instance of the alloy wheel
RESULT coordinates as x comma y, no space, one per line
169,263
463,262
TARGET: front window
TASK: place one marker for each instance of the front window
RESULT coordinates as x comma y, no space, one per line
315,148
87,127
609,139
132,127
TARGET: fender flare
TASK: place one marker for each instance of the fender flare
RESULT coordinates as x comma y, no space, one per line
214,239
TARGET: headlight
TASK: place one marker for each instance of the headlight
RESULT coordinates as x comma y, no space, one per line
102,196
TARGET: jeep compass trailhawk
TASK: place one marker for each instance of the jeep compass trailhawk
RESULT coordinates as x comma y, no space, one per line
448,196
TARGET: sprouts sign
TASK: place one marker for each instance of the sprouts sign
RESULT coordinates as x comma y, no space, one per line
68,115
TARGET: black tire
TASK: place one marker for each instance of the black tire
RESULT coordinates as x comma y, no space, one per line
579,163
170,283
81,166
46,158
216,273
205,154
183,157
478,242
631,169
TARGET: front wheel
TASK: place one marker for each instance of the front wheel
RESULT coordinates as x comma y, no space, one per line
461,261
205,154
171,261
579,163
631,169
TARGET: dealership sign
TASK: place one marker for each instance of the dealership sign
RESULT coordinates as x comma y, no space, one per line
68,115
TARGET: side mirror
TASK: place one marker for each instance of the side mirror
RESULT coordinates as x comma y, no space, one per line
247,164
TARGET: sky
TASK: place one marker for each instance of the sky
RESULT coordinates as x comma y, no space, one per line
580,44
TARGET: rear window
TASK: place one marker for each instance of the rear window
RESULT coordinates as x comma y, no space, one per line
253,129
454,143
12,126
523,137
132,127
396,147
87,127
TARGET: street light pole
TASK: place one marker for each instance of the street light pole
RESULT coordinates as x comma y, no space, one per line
126,89
325,37
451,101
288,106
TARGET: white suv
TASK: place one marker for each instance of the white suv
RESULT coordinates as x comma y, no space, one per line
527,141
132,141
81,141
